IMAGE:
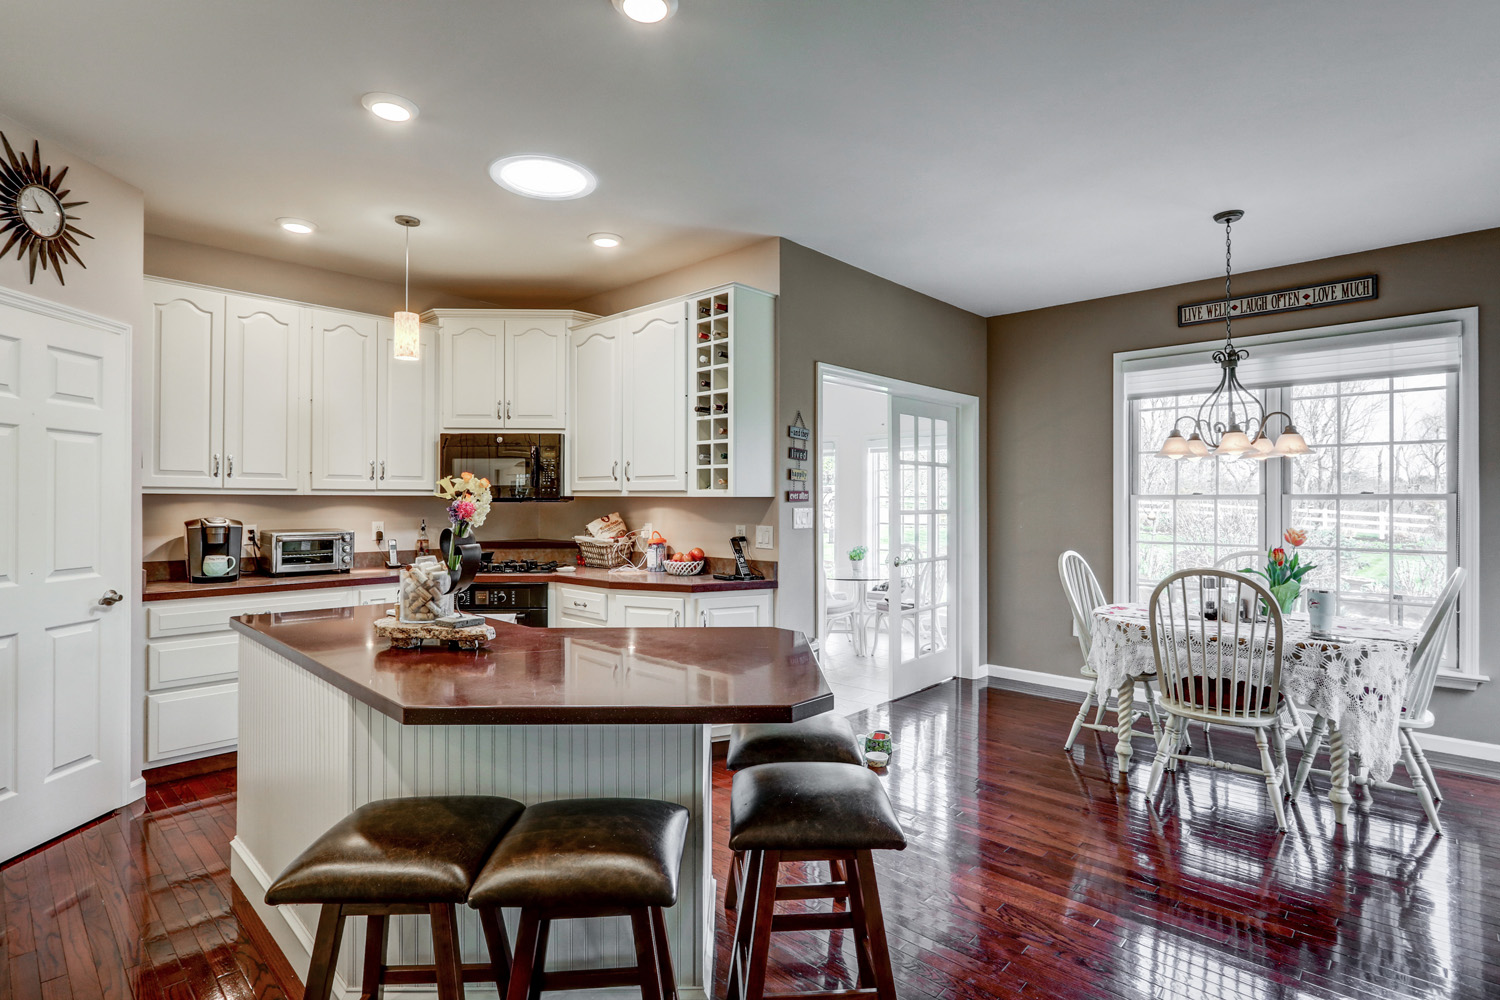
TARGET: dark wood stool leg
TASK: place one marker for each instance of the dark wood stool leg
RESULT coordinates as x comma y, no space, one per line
539,967
663,954
739,947
861,932
325,953
449,967
498,944
377,936
526,958
880,952
645,955
736,873
760,928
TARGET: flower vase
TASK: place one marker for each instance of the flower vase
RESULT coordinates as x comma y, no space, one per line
1286,594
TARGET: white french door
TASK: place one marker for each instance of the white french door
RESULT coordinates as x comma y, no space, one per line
919,599
64,556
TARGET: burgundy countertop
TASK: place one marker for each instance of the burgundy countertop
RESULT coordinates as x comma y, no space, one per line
536,676
703,583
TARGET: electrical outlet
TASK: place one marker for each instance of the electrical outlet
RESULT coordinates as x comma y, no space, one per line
251,539
647,528
739,531
763,536
802,517
377,530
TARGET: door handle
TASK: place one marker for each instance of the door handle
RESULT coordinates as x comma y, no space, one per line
382,469
110,598
614,470
229,470
372,470
216,465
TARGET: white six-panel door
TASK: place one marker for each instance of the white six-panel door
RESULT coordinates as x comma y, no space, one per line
655,394
536,361
65,544
262,369
344,387
595,400
184,389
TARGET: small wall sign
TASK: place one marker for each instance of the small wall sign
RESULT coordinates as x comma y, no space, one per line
797,475
797,496
798,433
797,454
1329,293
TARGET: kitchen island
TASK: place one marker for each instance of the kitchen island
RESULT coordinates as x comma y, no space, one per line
332,718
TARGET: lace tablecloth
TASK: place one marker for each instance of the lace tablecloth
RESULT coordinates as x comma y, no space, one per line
1354,675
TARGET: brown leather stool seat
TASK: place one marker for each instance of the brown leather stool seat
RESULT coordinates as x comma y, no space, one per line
799,812
588,858
826,737
395,856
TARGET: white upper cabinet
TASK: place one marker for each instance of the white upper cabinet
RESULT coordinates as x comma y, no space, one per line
406,440
655,394
473,366
262,372
184,387
596,357
344,391
536,366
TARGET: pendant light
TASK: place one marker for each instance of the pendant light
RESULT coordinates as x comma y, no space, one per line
1244,433
408,339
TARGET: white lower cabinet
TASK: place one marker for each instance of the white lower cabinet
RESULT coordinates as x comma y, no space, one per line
734,609
638,609
582,606
192,665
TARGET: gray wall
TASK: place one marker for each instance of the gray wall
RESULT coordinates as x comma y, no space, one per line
1051,472
832,312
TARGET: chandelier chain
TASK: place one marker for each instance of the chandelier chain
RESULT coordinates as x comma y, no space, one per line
1228,297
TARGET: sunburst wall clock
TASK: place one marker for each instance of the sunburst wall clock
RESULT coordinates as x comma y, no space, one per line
33,212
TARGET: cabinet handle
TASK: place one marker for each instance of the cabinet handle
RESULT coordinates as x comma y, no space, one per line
229,469
507,409
703,619
216,465
627,470
614,470
676,619
372,470
579,604
382,469
499,409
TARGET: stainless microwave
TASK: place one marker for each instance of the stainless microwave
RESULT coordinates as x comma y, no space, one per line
518,466
288,552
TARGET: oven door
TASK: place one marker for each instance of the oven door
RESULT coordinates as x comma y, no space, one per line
518,466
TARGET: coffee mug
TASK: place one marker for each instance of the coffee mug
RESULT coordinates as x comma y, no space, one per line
219,565
877,742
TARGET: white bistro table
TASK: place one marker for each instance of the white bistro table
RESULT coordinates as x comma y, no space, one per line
1353,679
861,605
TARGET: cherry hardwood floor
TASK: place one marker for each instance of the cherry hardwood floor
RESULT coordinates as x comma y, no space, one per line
1029,875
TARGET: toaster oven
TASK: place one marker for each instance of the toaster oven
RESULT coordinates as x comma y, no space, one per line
289,552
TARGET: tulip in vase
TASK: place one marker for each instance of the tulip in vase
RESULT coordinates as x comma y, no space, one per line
1283,574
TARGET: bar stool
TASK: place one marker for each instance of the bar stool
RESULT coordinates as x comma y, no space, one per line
395,856
782,813
588,858
823,738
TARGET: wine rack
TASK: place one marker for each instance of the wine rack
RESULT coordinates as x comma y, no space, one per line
730,363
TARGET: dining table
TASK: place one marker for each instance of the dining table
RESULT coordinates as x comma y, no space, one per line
1351,676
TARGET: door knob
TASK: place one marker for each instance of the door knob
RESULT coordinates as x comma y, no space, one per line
111,597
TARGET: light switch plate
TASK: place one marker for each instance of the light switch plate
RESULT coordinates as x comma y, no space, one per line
763,537
802,517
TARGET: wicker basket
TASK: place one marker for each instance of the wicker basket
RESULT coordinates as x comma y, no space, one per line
683,568
605,553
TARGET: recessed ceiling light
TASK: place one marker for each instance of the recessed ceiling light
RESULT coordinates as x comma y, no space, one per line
606,240
646,11
389,107
538,176
299,226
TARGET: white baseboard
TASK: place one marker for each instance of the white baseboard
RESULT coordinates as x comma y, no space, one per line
1076,684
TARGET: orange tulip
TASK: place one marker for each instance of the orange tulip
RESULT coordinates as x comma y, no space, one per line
1295,536
1278,556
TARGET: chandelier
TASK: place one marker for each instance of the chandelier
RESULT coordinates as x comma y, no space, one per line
1230,437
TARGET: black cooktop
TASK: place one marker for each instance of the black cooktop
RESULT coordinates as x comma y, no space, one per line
487,564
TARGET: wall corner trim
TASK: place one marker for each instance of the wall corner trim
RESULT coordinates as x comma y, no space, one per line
56,310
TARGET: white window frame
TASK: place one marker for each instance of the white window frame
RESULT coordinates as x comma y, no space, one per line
1470,672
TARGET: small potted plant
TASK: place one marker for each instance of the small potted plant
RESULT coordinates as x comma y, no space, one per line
1284,575
857,556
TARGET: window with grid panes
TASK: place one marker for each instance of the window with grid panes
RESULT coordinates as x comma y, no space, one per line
879,492
828,472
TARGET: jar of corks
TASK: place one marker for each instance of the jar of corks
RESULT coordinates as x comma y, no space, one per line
424,591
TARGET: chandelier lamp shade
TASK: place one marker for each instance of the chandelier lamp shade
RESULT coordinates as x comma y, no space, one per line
1232,422
408,339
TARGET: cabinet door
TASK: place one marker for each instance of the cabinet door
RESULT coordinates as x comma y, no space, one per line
344,383
407,406
752,610
655,398
184,391
536,361
473,360
262,368
628,610
594,402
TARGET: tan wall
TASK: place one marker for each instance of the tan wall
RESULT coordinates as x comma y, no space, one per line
832,312
1051,472
757,265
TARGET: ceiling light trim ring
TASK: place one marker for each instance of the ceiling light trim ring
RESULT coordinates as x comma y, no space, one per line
510,172
375,98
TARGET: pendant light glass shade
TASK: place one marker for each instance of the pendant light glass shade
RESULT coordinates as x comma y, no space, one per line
1260,449
1175,447
1234,442
1291,443
408,337
1196,447
407,344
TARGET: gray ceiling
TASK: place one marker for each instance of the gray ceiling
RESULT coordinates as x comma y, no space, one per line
997,155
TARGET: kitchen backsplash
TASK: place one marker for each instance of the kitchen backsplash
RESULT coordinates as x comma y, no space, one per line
686,522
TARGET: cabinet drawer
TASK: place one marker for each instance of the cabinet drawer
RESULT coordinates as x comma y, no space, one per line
193,660
179,722
193,615
583,602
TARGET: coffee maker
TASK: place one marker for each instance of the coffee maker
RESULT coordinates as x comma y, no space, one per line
214,549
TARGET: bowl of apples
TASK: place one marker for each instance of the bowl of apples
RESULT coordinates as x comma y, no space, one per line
688,563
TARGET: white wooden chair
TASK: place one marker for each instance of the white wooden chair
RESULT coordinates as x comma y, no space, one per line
842,610
1421,678
1222,671
1084,594
880,598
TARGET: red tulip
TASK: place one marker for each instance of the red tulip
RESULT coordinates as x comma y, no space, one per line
1295,536
1278,556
